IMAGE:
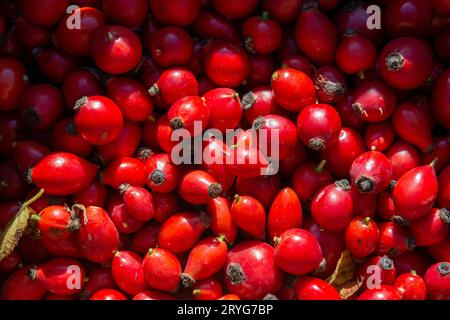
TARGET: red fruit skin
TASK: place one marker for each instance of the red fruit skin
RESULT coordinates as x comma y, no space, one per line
416,63
222,223
415,192
212,25
348,116
138,203
332,244
379,136
186,111
13,84
97,237
56,64
260,101
98,119
251,271
282,11
361,237
56,222
78,41
440,252
116,49
45,13
12,184
20,286
162,270
125,145
146,237
441,94
175,12
98,279
412,285
411,261
235,9
355,54
373,101
262,188
122,219
403,157
371,172
385,292
207,289
205,259
11,262
226,63
408,121
441,151
298,157
165,205
408,18
332,207
285,213
8,210
330,83
382,267
437,279
152,295
198,186
125,170
64,247
12,130
225,110
62,173
318,126
293,89
28,153
65,137
299,62
309,288
432,228
444,188
181,232
249,215
52,296
229,297
93,195
161,174
262,35
131,97
394,239
214,162
297,252
61,276
127,13
78,84
171,46
173,84
340,156
31,36
308,179
315,34
41,106
108,294
127,272
262,67
364,205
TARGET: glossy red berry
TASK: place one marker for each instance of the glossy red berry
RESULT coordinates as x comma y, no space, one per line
379,136
408,17
98,119
189,113
293,89
198,186
127,13
355,54
332,207
432,228
330,83
251,271
394,239
249,215
262,35
371,172
285,213
175,12
412,285
162,270
361,237
225,110
125,170
56,222
108,294
441,93
403,157
437,279
309,288
171,46
138,202
127,272
309,178
20,286
14,82
161,174
222,223
207,289
385,292
235,9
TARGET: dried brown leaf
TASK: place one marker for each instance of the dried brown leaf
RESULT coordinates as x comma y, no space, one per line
348,289
345,270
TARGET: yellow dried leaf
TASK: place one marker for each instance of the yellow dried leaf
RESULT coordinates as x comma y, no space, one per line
345,270
350,288
12,233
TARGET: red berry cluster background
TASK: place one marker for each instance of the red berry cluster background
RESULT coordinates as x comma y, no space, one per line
93,205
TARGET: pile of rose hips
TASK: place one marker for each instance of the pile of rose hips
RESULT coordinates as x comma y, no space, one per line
88,103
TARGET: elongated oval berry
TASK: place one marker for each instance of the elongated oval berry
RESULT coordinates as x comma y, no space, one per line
285,213
181,232
198,186
127,272
332,207
310,178
432,228
125,170
98,119
222,223
138,202
205,260
56,222
318,126
60,276
371,172
162,270
415,192
97,237
251,271
21,286
62,173
249,215
297,252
